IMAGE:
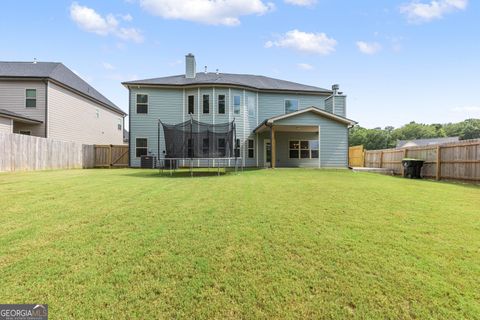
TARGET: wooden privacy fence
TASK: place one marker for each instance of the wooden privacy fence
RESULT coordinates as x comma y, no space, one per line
111,155
356,156
21,153
452,161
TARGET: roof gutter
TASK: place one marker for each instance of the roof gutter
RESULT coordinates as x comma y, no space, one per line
20,118
229,85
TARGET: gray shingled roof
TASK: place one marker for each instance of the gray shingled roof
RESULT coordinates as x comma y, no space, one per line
244,80
11,114
55,71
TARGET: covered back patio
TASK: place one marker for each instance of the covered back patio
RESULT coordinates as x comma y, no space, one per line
309,137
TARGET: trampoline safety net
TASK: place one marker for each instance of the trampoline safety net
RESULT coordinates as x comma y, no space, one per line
194,139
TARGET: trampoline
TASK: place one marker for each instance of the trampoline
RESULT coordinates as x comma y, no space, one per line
193,142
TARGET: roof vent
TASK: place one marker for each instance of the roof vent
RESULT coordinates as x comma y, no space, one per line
34,60
206,69
335,88
217,71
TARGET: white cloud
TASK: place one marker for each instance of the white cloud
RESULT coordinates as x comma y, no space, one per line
214,12
417,12
89,20
318,43
368,47
132,34
127,17
305,66
108,66
303,3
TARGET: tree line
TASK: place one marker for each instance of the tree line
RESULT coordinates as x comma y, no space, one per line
387,137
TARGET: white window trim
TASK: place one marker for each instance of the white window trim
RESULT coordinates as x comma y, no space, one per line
239,105
186,107
27,98
253,148
218,104
285,107
148,103
209,103
300,149
141,147
248,107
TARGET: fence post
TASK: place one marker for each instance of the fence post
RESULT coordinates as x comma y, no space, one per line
439,163
110,156
363,157
381,159
402,170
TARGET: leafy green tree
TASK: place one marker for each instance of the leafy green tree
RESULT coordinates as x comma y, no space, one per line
379,138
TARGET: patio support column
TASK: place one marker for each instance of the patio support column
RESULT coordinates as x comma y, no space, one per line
273,146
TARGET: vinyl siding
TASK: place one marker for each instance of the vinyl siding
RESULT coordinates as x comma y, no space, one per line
72,117
171,106
329,104
12,98
163,104
340,105
273,104
6,125
333,138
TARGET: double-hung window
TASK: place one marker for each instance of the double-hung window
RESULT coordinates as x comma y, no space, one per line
31,98
191,104
251,148
206,147
314,148
236,104
291,105
303,149
251,106
221,147
141,147
221,104
206,103
142,103
294,149
237,148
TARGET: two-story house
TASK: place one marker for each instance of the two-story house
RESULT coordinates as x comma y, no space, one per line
278,123
46,99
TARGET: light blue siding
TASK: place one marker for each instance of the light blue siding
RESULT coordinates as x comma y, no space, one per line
165,104
273,104
329,104
171,106
333,138
340,105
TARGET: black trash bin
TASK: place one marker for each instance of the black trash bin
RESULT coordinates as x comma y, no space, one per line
412,168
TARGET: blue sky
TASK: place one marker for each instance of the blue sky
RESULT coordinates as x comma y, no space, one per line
398,61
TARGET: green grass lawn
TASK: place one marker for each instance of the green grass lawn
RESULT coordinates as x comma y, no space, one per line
262,244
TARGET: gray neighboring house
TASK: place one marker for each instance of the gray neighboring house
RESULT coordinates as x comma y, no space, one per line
46,99
307,125
425,142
